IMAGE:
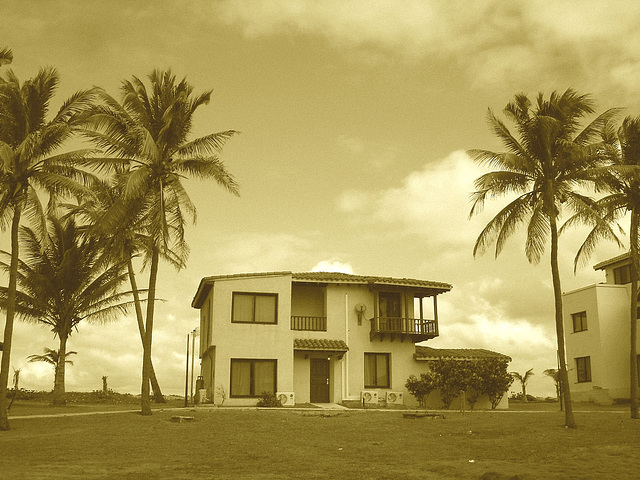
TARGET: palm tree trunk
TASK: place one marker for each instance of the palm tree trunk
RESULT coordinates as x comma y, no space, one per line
148,332
633,356
155,386
59,396
557,293
11,312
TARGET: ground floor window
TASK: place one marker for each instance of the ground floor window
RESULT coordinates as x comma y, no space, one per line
376,370
583,367
252,378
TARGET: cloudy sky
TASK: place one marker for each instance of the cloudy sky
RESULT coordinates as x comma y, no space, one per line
355,118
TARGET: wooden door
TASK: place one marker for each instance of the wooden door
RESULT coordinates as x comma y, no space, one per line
319,380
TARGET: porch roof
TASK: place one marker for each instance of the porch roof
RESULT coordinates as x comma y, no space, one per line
320,345
606,263
347,278
430,353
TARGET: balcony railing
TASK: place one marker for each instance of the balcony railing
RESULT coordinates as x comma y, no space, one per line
318,324
417,329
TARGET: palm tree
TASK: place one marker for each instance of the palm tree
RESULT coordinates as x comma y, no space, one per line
552,373
6,56
147,136
63,281
523,379
543,168
621,179
28,160
122,244
52,357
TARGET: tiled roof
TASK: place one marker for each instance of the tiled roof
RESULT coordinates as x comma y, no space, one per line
337,277
611,261
321,344
430,353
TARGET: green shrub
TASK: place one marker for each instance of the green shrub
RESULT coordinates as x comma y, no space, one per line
269,400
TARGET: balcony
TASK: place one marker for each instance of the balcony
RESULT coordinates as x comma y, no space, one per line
307,323
416,329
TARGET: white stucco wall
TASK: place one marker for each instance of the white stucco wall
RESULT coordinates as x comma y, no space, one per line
606,341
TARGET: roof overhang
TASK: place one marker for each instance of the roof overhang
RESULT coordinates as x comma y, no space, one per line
320,345
624,258
433,354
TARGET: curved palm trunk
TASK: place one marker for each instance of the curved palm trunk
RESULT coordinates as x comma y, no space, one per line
59,394
155,386
557,294
11,312
633,357
148,333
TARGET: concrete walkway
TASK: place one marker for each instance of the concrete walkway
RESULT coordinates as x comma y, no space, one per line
330,406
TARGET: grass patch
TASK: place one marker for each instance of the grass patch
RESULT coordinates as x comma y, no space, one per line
273,444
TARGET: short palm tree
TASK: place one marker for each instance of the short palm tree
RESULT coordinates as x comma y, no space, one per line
523,379
620,179
52,357
147,138
552,373
542,168
63,281
30,160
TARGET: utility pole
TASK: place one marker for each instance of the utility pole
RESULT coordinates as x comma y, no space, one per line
186,382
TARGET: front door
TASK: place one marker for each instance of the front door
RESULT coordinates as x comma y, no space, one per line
319,380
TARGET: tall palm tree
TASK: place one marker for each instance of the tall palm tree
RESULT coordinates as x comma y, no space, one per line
29,159
63,281
52,357
621,180
148,134
523,379
122,244
542,168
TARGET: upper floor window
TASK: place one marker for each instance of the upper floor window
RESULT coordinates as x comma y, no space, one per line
583,367
255,308
579,321
376,370
390,304
622,275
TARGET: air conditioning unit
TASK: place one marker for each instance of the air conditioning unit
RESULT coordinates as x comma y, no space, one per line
287,399
369,396
395,398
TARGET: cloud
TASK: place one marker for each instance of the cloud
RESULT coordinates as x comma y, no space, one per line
332,266
432,202
494,42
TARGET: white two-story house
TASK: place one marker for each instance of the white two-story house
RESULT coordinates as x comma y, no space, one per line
314,337
597,335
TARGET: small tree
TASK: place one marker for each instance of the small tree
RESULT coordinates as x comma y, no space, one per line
451,377
495,379
421,388
523,379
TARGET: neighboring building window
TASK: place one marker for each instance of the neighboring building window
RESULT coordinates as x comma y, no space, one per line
622,275
389,303
376,370
255,308
579,321
252,378
583,367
